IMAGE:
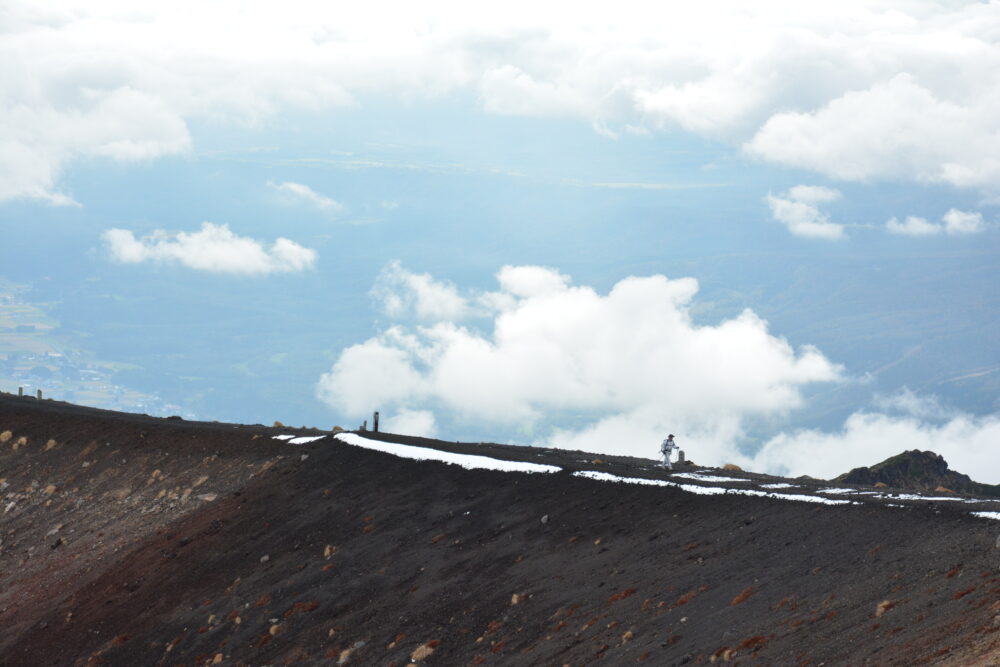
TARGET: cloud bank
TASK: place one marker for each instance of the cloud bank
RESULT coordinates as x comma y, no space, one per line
214,248
616,370
565,366
859,91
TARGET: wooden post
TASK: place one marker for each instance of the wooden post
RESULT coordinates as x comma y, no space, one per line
20,391
39,394
375,421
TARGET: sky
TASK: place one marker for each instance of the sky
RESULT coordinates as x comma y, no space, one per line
771,230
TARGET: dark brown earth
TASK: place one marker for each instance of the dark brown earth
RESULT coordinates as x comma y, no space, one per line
244,550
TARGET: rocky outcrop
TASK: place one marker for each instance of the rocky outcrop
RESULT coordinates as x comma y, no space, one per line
917,471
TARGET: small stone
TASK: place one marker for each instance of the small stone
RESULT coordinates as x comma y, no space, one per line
517,598
50,489
883,606
545,519
265,558
217,659
424,651
275,629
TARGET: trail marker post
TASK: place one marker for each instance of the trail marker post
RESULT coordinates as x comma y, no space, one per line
375,422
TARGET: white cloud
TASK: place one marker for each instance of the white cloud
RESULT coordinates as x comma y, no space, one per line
797,209
913,226
631,363
968,444
418,423
953,223
303,193
214,248
902,128
960,223
402,293
854,90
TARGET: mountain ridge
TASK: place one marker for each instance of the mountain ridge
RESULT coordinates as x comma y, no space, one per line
329,553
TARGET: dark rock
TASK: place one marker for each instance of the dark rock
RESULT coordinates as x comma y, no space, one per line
917,471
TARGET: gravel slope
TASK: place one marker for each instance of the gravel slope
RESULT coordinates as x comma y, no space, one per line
141,541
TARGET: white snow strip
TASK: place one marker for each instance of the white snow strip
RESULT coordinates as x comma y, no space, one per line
836,491
707,490
988,515
301,440
608,477
705,478
467,461
810,499
282,437
779,485
913,496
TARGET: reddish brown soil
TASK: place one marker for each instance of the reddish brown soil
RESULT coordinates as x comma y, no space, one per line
356,557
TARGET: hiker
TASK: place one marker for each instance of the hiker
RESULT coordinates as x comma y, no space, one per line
667,448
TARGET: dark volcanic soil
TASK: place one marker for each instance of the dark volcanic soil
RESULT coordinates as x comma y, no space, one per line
128,540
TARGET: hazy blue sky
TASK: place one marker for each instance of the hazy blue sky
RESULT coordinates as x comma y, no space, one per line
772,231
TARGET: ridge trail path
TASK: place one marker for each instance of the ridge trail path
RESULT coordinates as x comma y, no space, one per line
133,540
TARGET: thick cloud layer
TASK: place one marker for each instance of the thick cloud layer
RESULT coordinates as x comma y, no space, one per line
628,365
214,248
861,91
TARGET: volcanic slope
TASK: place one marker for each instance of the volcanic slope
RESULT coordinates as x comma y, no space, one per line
130,540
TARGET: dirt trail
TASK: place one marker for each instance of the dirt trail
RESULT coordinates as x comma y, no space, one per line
245,550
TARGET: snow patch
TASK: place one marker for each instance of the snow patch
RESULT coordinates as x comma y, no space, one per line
301,440
282,437
779,485
988,515
836,491
708,490
467,461
913,496
706,478
608,477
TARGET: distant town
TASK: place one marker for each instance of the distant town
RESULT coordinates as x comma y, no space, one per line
35,356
